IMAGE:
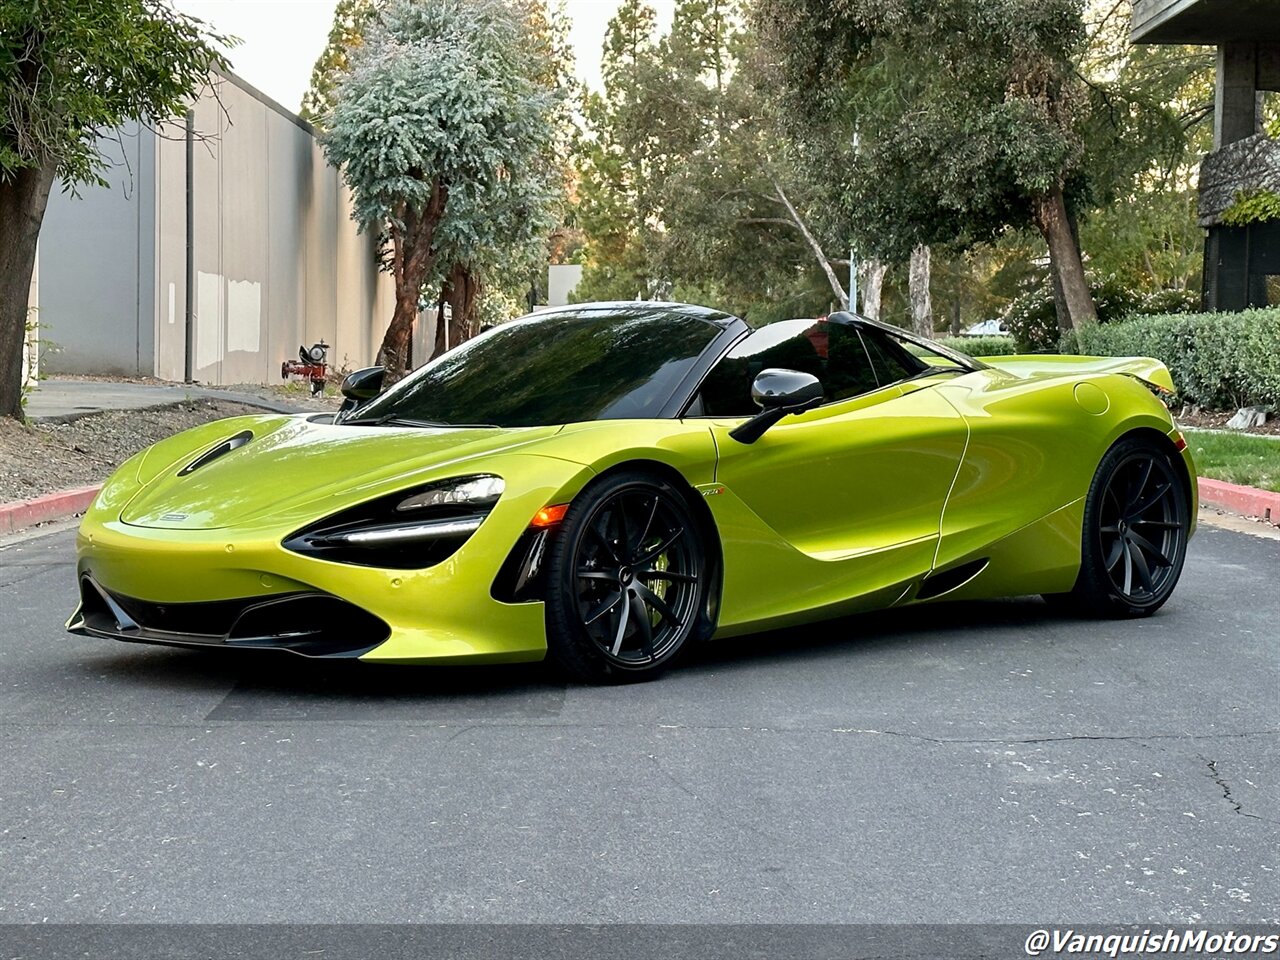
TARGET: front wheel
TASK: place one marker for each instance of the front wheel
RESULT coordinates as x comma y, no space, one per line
627,580
1136,525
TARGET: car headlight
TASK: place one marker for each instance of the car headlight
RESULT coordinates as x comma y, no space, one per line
481,490
406,530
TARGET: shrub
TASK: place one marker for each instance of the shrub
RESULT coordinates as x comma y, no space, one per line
1217,359
1032,318
981,346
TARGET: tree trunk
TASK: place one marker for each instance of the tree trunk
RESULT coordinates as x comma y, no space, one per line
394,353
461,292
872,286
412,258
841,296
955,317
23,199
1075,302
921,302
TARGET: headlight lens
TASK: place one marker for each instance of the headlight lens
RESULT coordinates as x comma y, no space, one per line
403,532
477,491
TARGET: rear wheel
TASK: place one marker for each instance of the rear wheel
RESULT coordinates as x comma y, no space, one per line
627,580
1136,523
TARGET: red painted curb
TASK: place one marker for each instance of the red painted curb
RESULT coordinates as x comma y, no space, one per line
53,506
1250,501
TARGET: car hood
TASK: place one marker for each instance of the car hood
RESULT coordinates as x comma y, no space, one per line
1146,369
293,468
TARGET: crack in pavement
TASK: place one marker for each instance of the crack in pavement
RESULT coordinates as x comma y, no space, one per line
35,572
1068,738
1227,795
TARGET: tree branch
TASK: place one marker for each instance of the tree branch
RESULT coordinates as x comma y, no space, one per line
839,291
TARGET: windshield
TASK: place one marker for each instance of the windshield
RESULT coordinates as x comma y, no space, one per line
566,367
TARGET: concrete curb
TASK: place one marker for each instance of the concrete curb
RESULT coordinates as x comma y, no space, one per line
1249,501
246,399
52,506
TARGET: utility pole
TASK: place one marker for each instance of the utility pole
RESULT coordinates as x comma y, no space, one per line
189,363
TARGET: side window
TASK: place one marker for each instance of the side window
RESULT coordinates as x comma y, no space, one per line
832,352
892,361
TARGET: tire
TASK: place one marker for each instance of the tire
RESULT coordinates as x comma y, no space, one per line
1134,538
626,580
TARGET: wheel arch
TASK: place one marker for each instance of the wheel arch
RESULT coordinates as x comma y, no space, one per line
1164,442
706,526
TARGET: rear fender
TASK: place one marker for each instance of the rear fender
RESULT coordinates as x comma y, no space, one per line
1146,369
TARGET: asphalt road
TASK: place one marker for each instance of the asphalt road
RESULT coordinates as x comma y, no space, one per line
974,762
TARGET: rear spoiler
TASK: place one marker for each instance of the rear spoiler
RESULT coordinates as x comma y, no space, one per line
1147,369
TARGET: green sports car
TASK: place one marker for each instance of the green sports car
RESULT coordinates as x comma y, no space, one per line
611,483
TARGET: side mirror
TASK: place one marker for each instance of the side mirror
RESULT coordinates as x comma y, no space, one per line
784,388
361,385
778,393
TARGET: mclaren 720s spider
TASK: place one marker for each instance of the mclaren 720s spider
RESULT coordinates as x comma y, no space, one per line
609,484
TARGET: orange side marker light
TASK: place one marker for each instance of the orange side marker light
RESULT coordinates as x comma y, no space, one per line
549,516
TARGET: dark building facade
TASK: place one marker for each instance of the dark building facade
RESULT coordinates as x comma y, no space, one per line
1241,262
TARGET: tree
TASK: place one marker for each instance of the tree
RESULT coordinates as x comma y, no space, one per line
970,118
71,72
350,20
921,271
684,191
443,127
501,259
616,205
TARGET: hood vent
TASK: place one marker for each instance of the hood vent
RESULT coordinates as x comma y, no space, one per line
222,449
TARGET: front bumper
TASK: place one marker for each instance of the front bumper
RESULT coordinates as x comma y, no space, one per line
241,588
310,623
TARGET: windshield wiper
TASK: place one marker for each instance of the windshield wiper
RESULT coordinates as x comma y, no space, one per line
395,420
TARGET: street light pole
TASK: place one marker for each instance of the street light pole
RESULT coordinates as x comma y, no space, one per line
853,262
853,282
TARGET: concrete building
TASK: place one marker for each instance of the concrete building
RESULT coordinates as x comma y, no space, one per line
1242,262
213,253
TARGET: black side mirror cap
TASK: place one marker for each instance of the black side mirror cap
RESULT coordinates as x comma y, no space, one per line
779,393
776,387
364,384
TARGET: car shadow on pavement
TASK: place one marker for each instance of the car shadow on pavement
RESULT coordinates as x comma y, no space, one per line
282,685
924,628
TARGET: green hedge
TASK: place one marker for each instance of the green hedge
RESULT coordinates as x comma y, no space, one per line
981,346
1032,318
1218,360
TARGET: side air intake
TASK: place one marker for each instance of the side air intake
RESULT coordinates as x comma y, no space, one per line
948,580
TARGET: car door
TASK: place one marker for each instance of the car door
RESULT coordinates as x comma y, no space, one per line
840,507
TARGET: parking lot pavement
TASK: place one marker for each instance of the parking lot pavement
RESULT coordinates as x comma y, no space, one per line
968,762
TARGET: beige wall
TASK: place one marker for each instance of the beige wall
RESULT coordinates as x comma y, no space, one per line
278,260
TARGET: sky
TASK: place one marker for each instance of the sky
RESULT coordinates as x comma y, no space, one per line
282,38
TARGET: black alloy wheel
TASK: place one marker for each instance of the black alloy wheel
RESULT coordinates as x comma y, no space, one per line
1136,528
627,581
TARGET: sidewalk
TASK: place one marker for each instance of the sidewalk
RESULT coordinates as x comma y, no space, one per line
58,408
63,400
